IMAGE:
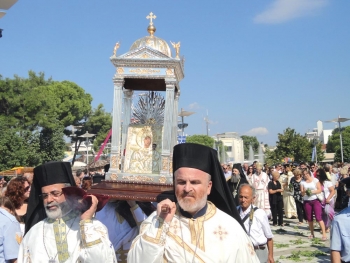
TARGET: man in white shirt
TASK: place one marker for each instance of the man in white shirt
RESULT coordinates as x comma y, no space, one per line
256,223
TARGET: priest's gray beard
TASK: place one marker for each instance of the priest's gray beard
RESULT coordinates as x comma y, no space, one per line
61,210
191,207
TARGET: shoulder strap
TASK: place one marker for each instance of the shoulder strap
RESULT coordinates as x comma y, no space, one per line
246,217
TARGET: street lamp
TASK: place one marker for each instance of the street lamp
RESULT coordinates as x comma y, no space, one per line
339,120
87,135
183,125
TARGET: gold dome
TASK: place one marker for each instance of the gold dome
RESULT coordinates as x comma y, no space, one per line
151,40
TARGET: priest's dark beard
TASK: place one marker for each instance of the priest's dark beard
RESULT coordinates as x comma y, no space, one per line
62,209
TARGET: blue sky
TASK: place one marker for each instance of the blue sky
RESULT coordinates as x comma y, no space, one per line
256,67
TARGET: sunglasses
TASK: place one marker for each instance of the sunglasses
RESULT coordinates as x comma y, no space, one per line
26,189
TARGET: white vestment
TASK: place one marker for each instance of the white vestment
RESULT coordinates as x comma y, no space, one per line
120,232
214,237
68,239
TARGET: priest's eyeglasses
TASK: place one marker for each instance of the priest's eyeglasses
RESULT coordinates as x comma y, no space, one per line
53,193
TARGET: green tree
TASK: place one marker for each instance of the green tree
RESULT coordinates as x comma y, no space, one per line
201,139
249,140
99,122
333,144
38,110
293,145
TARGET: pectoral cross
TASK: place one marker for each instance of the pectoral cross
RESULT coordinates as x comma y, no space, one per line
150,17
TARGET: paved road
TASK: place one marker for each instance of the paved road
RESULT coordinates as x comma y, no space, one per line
292,241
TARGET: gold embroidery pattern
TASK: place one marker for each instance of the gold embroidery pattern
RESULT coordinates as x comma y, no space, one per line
157,239
220,233
120,70
59,228
169,71
84,237
180,242
175,226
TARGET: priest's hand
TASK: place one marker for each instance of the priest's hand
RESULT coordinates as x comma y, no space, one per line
88,214
166,210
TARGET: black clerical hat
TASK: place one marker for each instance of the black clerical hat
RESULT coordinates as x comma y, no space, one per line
206,159
44,175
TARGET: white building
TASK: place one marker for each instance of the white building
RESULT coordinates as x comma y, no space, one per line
319,133
234,146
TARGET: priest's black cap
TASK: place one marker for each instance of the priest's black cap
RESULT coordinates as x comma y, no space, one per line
47,174
346,181
204,158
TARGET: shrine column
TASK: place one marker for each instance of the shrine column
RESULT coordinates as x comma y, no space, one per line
127,116
116,129
175,118
168,126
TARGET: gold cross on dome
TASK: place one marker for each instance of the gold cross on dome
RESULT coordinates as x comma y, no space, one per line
150,17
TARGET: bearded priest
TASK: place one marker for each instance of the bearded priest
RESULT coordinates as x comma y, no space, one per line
203,225
58,228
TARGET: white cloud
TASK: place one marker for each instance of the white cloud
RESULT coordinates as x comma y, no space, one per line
194,106
257,131
283,10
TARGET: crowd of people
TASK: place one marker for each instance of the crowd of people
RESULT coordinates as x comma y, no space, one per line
219,213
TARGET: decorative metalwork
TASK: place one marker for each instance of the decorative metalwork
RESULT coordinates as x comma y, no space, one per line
176,46
162,179
117,45
151,16
120,70
169,71
138,178
114,161
151,105
165,164
114,176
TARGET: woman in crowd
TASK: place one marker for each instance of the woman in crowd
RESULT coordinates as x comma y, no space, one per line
298,198
250,175
309,188
290,210
275,198
18,191
328,206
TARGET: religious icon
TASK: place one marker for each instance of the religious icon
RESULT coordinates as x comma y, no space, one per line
142,150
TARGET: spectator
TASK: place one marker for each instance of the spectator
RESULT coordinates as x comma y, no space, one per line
328,206
10,232
295,181
18,190
340,241
275,198
309,188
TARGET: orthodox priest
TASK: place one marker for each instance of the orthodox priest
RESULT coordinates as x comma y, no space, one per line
203,226
55,230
